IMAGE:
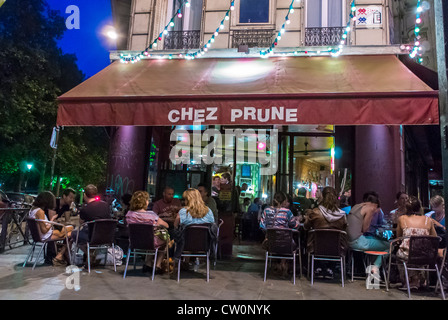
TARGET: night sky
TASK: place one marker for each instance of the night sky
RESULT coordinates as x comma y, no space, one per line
87,42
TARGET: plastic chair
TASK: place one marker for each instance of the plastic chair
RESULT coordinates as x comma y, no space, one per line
280,245
221,222
37,240
141,241
423,253
327,245
196,244
101,235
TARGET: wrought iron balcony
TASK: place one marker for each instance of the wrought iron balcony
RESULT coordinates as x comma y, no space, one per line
183,39
252,38
327,36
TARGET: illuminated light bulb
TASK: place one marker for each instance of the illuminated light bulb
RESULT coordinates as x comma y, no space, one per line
419,9
348,29
165,31
279,37
187,4
212,39
417,43
221,26
417,30
171,24
282,30
154,44
418,20
354,18
344,36
288,21
216,33
291,10
227,18
179,15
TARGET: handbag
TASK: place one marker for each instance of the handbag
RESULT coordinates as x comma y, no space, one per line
383,233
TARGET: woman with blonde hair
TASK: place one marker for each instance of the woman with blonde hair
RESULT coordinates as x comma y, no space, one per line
138,213
195,210
438,210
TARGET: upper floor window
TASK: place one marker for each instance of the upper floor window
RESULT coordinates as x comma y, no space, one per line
324,13
254,11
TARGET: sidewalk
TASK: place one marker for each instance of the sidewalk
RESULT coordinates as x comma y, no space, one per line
239,278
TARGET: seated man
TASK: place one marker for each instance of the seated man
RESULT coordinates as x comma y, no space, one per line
93,209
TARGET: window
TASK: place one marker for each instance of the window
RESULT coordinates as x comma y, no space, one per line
324,13
254,11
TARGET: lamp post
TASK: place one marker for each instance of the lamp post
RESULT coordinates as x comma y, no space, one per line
440,21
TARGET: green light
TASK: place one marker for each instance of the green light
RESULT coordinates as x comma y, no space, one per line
29,166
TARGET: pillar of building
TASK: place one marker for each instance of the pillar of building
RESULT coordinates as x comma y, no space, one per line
378,163
127,163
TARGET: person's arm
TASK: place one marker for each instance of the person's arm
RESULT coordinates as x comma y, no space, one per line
262,220
177,221
438,224
162,223
399,231
44,227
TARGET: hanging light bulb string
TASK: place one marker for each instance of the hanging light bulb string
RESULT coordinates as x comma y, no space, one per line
417,48
154,43
332,51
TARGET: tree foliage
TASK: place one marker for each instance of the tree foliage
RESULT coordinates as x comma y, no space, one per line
33,73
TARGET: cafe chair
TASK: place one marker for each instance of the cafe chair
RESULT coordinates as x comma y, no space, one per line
280,245
423,253
197,242
141,242
327,246
37,240
221,222
101,236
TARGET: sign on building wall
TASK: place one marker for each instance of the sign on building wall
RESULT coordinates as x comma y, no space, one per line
369,16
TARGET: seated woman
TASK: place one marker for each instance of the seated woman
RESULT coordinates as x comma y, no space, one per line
359,222
46,201
327,215
138,214
195,210
278,216
413,223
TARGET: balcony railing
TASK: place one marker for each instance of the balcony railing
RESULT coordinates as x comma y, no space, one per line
327,36
183,39
252,38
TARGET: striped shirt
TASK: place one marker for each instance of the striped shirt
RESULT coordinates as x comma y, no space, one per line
278,218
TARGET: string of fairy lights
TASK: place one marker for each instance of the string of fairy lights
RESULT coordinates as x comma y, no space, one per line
416,53
332,50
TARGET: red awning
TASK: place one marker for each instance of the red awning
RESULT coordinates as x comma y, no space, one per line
347,90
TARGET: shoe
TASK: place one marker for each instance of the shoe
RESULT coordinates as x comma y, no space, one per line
146,269
318,272
329,274
59,263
